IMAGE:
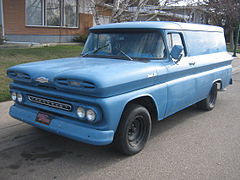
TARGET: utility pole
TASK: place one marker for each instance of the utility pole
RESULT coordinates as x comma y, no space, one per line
2,19
236,41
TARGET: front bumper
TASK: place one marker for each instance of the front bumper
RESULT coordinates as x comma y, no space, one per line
63,126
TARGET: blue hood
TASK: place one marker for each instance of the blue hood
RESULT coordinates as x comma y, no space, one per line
99,77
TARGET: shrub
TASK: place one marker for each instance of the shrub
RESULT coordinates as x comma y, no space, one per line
80,38
1,40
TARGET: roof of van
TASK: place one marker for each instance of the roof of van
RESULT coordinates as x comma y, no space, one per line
158,25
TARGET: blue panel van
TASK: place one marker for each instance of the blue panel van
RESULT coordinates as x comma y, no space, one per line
128,75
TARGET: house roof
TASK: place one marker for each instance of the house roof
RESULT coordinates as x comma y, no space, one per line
158,25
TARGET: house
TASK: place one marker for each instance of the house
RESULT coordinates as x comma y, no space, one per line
53,21
44,21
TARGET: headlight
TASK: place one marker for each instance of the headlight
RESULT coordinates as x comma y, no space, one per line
14,96
19,97
91,115
81,112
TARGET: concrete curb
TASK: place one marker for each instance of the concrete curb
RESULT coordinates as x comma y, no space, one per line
236,70
13,45
236,64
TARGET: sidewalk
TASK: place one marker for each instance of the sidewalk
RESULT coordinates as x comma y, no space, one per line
236,64
15,45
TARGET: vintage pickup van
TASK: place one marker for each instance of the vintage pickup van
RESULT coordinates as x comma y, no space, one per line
128,75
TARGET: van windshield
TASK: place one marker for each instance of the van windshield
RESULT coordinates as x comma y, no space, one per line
130,45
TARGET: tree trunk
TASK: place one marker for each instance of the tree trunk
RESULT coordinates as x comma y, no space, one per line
115,11
236,41
231,38
141,4
97,18
95,12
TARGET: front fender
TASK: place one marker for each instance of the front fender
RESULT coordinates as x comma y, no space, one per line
113,107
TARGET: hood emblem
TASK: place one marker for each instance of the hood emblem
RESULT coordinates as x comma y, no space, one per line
42,80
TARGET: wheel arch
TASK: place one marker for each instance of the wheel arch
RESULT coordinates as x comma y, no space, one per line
148,102
219,83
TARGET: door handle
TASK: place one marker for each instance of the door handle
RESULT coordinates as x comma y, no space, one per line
192,63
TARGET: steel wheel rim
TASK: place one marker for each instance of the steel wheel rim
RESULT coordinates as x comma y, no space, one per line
136,131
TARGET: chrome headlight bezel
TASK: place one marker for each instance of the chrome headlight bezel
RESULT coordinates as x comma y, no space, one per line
19,97
91,115
14,96
81,112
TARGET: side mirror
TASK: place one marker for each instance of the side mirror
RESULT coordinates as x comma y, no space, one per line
176,53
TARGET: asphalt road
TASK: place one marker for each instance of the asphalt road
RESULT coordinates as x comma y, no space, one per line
191,144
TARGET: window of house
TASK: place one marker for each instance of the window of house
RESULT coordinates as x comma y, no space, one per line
53,12
70,13
59,13
34,12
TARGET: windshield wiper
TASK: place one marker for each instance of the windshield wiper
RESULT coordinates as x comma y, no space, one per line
130,58
98,49
95,50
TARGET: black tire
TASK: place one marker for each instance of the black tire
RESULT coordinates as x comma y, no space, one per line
209,103
133,131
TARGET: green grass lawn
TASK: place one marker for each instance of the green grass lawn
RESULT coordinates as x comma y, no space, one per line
231,50
11,57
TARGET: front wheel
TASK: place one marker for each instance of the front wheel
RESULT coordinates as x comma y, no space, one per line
133,131
209,103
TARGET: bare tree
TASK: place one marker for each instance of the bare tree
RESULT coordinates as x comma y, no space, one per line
131,10
225,13
160,5
140,5
236,41
94,8
119,7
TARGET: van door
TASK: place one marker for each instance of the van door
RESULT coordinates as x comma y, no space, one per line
181,82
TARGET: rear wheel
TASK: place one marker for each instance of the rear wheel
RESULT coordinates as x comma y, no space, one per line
133,131
209,103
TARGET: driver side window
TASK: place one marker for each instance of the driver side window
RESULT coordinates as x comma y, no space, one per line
175,39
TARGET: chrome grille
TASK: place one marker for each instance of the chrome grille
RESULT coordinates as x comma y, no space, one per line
50,103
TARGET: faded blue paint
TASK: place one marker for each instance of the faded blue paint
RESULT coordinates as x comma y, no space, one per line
159,25
109,84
